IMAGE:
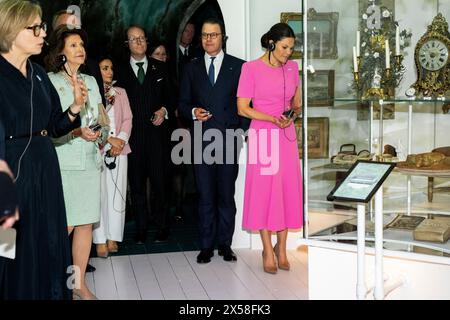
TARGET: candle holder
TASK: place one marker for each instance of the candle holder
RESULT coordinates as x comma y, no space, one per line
356,78
374,93
387,73
398,60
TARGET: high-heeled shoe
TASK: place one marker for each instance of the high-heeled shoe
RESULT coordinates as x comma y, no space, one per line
267,268
102,250
283,266
112,246
77,295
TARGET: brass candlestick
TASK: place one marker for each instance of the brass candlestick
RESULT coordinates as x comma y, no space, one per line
398,60
387,73
356,77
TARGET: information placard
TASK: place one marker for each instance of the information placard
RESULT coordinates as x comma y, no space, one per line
363,180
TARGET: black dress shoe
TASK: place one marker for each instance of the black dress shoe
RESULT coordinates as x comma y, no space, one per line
205,256
227,253
140,237
90,268
162,236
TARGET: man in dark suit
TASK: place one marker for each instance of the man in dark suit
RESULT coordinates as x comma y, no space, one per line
147,84
209,84
187,51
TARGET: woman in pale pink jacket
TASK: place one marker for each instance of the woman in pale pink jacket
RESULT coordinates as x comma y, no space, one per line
114,175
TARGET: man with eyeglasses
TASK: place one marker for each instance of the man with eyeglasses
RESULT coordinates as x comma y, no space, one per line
208,91
147,84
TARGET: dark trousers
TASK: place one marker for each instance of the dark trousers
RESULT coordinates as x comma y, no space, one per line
143,165
216,205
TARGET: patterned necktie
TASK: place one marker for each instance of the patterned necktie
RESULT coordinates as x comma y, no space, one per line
211,71
141,72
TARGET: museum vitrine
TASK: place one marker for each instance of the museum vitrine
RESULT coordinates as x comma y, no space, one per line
376,86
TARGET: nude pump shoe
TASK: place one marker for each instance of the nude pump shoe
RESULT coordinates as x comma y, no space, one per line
102,250
283,266
112,246
267,268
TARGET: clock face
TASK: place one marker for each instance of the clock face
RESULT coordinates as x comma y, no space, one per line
433,55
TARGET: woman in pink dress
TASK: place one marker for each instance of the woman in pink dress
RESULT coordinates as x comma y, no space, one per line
273,186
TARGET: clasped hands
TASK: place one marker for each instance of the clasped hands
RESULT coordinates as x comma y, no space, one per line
117,146
86,133
159,116
282,122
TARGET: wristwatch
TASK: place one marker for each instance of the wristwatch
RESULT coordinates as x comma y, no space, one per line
72,113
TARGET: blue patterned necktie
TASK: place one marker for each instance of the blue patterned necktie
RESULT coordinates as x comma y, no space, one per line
211,71
141,72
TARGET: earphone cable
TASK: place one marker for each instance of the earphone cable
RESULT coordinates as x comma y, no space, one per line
31,124
284,103
116,187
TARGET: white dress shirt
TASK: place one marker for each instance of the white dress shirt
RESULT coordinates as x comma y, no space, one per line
135,66
183,49
217,63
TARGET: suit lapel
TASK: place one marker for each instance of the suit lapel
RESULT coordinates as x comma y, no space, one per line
201,69
224,70
149,75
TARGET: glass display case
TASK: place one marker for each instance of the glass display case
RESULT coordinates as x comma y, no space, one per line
376,80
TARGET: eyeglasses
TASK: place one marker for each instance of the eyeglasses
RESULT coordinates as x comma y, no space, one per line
137,39
37,28
212,35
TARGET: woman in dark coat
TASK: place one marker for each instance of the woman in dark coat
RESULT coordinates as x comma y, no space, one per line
31,113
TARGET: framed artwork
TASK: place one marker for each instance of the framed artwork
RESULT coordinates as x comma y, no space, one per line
294,20
322,33
317,139
321,88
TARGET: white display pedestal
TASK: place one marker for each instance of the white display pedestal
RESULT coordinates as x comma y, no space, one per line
332,269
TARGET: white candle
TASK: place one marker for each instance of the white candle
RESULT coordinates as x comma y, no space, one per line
320,46
355,63
397,41
358,36
388,52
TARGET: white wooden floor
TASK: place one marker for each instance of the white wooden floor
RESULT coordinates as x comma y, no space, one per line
177,275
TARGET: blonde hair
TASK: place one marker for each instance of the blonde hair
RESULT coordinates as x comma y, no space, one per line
15,15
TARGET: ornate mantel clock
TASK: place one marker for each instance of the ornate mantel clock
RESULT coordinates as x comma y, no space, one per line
432,61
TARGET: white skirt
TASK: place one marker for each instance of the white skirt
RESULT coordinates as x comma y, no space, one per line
113,201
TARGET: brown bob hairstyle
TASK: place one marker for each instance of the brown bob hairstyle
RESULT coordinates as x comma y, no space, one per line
57,43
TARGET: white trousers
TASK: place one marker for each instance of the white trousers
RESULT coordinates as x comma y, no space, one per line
113,200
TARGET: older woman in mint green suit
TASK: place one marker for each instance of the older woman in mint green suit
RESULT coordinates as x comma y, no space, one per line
78,152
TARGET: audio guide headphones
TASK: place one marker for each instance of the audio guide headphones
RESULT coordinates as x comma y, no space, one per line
110,165
271,46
